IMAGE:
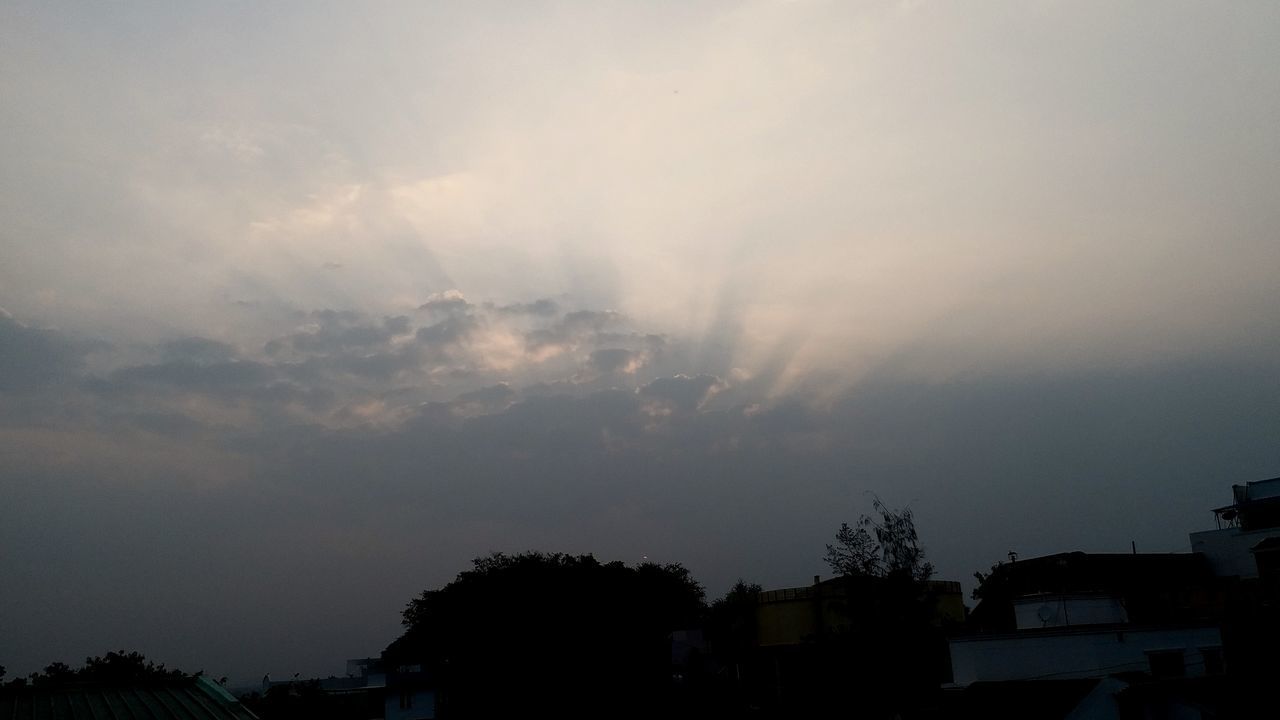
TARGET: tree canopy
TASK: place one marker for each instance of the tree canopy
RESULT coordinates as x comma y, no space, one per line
568,630
117,667
880,545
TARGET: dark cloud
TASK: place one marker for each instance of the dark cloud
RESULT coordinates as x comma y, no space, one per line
340,331
384,365
494,398
682,391
584,320
544,307
158,389
174,425
197,349
574,328
234,376
612,360
335,317
32,357
541,338
501,392
449,331
397,325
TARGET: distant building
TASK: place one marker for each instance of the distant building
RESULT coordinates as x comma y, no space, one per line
369,691
363,667
1247,538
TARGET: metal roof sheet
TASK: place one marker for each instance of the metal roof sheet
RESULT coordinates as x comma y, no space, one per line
184,699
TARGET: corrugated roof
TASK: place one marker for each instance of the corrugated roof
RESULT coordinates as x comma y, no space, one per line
184,699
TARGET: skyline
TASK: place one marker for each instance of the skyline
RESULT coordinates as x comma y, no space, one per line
304,307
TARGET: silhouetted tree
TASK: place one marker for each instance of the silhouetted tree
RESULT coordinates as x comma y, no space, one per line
985,581
114,667
732,635
554,634
124,667
731,620
891,654
854,552
880,545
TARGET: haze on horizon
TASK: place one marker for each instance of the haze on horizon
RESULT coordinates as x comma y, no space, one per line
307,304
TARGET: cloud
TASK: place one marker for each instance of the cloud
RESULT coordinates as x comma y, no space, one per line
447,302
32,357
544,307
447,332
343,367
198,350
611,360
235,375
335,338
682,391
573,328
494,398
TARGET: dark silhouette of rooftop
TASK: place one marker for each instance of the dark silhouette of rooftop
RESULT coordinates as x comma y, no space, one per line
188,698
1155,587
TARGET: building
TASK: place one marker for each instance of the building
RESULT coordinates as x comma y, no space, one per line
807,650
1247,536
369,691
791,616
1243,551
410,695
1078,615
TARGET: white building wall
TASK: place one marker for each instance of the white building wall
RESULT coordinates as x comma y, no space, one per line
1050,611
1074,653
1228,550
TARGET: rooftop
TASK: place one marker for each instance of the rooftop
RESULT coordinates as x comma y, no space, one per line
181,699
1255,505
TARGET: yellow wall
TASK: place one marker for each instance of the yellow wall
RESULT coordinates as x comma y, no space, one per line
794,615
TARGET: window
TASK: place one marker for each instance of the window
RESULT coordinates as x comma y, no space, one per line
1166,663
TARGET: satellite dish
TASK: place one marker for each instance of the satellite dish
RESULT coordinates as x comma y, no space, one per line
1046,613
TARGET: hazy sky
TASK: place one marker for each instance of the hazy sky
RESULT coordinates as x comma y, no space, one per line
307,304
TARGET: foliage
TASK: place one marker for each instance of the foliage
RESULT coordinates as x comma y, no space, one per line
118,667
576,632
880,545
985,581
891,650
731,621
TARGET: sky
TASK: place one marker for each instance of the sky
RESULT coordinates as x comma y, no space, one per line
307,304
